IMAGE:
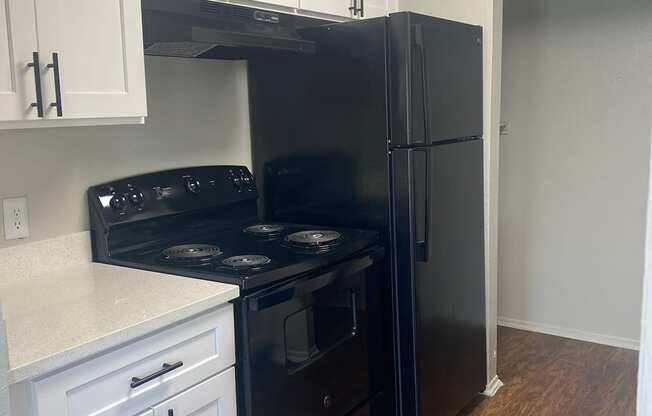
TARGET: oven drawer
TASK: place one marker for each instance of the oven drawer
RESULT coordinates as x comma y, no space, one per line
137,376
213,397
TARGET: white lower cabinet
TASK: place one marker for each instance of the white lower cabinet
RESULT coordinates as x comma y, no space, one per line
187,364
213,397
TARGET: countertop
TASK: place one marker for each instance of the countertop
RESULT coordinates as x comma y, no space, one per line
65,316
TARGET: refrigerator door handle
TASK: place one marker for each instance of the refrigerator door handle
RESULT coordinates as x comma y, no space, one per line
421,198
418,41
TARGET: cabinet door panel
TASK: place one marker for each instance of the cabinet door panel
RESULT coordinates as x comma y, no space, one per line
333,7
213,397
286,3
17,42
101,61
375,8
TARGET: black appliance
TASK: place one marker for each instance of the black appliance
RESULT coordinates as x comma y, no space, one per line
213,30
382,129
308,323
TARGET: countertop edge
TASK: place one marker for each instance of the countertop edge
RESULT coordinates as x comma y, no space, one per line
78,354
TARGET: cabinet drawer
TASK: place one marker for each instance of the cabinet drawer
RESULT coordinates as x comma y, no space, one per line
213,397
198,348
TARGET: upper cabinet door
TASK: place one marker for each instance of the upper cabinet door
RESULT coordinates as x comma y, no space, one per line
17,45
374,8
99,49
333,7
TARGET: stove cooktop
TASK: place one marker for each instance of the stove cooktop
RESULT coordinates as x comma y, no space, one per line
251,256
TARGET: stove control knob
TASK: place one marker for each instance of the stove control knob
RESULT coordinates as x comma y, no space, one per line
193,186
118,202
136,198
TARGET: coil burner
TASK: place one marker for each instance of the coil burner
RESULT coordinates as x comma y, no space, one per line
268,231
314,240
246,262
191,254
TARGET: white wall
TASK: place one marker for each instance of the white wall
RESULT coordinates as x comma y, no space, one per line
577,89
199,114
488,14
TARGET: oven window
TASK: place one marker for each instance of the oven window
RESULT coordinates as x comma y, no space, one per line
320,327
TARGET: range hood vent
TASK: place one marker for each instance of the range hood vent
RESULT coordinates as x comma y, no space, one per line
208,29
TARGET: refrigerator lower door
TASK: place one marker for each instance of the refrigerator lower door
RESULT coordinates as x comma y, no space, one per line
438,217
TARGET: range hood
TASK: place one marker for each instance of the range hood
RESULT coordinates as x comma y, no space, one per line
209,29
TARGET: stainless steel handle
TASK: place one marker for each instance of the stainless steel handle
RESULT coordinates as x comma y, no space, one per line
36,66
57,84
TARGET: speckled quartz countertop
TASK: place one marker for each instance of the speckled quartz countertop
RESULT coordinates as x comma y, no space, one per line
57,318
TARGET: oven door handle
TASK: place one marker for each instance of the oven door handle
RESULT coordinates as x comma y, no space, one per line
303,287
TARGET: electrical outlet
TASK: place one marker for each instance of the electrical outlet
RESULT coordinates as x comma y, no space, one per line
504,128
15,218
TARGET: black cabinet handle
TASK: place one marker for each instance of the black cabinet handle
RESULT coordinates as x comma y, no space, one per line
170,412
57,84
137,382
354,7
35,64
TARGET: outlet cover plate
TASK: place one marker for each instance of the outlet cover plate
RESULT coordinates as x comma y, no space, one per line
15,218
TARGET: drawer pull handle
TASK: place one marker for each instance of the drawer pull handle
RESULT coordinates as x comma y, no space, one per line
137,382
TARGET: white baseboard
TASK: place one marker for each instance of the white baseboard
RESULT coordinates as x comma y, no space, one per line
613,341
492,388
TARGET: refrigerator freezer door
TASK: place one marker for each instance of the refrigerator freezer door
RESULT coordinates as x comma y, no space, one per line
439,285
436,79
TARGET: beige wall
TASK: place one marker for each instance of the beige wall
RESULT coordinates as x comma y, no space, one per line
488,14
199,114
577,89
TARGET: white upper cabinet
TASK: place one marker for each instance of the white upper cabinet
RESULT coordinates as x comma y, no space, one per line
285,3
17,45
342,8
374,8
99,45
337,10
90,62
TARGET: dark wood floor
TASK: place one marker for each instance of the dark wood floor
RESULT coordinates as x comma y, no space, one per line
552,376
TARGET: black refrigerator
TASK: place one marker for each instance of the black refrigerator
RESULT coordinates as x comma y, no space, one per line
382,129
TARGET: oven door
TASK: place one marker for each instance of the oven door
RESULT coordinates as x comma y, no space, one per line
312,345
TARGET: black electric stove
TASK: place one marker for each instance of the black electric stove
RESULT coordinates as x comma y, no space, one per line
202,222
308,321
